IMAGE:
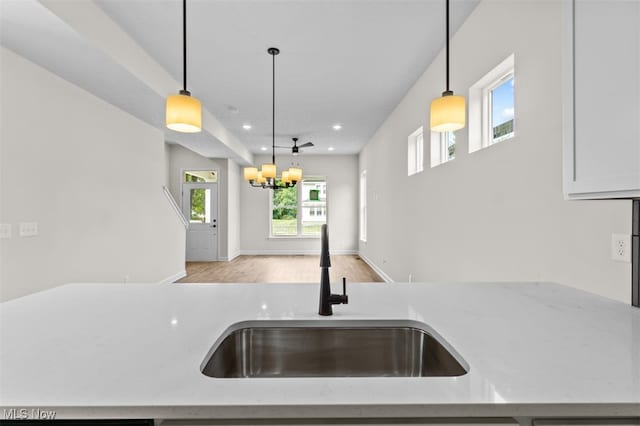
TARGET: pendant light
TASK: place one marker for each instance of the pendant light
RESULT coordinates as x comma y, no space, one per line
448,111
266,177
184,112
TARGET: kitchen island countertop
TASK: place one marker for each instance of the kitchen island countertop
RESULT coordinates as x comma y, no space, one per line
135,351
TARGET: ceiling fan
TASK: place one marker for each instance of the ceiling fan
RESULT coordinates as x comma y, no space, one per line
295,149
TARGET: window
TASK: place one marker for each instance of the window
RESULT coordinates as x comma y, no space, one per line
284,212
443,147
314,201
500,99
363,206
492,107
300,210
200,201
415,153
200,176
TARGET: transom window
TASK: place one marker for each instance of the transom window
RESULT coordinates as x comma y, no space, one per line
300,210
443,147
200,176
501,109
492,106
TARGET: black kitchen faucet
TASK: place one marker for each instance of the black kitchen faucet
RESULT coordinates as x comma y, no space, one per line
326,298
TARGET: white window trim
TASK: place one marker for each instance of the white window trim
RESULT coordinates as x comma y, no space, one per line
415,152
480,130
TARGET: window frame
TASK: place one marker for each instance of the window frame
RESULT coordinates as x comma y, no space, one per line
440,148
299,226
480,121
415,152
487,110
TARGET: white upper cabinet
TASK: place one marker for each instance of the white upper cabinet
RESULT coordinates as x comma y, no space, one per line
601,98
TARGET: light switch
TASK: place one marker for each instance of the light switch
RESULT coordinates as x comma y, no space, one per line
28,229
5,230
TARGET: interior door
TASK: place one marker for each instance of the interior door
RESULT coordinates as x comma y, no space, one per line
200,207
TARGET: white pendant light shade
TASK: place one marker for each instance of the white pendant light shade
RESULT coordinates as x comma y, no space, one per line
269,171
184,113
448,113
295,174
285,176
250,173
260,178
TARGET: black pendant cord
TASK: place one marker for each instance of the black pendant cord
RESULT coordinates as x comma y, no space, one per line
273,115
184,44
447,49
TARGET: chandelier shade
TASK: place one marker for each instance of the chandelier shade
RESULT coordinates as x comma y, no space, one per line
250,173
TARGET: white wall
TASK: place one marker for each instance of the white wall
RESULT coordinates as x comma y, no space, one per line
91,175
499,213
341,172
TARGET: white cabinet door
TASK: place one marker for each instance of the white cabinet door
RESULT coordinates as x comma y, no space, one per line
601,98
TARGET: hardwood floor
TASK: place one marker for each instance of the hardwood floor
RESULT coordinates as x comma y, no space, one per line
279,269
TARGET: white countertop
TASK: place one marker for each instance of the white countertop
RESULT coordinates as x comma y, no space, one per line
135,350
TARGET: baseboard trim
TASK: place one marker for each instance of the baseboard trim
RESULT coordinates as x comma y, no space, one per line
292,252
375,267
173,278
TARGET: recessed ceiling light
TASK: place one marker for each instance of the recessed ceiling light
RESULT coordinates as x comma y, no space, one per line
246,126
264,148
337,127
331,148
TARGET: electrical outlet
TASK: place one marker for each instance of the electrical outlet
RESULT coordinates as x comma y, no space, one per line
621,247
28,229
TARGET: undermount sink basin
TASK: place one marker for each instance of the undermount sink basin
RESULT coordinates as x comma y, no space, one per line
329,349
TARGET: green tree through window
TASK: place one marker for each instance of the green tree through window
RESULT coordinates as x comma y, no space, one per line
198,205
285,211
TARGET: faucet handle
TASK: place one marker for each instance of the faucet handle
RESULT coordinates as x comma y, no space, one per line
344,291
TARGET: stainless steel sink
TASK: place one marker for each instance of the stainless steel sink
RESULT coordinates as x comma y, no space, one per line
317,349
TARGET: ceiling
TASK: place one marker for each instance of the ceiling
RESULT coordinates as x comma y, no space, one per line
342,61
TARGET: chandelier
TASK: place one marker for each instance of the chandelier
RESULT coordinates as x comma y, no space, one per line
266,177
